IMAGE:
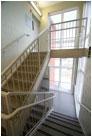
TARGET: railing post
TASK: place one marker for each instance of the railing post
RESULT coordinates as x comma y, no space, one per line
49,38
38,52
6,102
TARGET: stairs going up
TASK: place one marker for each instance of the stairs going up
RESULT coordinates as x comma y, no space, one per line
55,124
25,75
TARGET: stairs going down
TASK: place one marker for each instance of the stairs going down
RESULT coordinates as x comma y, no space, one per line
36,114
55,124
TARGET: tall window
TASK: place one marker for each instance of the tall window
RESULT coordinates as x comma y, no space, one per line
61,70
61,35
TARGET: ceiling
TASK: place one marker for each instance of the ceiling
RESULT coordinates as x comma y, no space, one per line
43,4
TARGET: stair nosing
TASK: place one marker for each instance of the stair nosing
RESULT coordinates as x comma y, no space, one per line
69,132
74,124
65,117
72,118
64,126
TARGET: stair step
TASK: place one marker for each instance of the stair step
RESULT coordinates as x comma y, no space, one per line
50,131
67,125
65,117
65,120
39,133
37,111
44,88
35,116
61,128
39,107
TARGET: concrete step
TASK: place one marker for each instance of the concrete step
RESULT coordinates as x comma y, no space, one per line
50,131
62,128
60,115
57,124
71,122
65,116
65,124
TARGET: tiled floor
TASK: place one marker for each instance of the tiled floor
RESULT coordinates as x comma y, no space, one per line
64,103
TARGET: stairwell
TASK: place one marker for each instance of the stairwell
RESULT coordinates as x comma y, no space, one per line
24,110
23,75
55,124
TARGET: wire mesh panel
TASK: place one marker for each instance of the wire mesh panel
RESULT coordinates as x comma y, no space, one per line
24,118
21,76
68,34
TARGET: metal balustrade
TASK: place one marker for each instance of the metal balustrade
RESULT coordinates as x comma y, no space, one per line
26,66
19,102
21,75
15,122
69,34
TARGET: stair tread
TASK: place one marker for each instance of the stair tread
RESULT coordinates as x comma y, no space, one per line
65,116
62,123
39,133
38,112
39,106
65,120
61,128
50,131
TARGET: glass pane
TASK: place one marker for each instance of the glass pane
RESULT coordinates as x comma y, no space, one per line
54,85
71,15
54,62
67,63
56,18
66,75
54,74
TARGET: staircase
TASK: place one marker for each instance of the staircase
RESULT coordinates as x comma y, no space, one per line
25,75
23,111
35,116
55,124
19,80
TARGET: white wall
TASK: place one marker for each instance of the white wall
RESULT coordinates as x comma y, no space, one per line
16,21
83,82
84,115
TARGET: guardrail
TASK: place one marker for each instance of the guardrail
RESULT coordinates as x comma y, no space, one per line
14,123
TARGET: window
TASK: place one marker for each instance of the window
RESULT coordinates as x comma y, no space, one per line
61,35
70,15
61,74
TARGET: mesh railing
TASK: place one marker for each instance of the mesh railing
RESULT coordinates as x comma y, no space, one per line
20,77
22,73
23,118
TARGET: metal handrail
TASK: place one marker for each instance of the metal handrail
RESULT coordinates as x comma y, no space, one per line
85,107
24,51
69,21
24,93
10,44
8,116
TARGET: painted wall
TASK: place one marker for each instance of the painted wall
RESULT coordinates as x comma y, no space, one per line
62,6
16,22
83,81
84,115
83,94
